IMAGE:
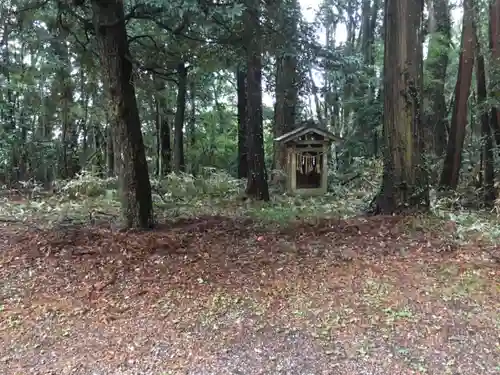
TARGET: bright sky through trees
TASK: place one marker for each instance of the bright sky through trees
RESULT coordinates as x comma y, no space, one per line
309,10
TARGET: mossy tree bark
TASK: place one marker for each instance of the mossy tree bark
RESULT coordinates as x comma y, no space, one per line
404,184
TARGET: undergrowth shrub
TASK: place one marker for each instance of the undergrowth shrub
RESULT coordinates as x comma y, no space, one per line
211,183
359,182
86,184
183,186
216,192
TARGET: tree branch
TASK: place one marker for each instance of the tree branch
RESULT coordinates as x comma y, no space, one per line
145,36
33,6
162,74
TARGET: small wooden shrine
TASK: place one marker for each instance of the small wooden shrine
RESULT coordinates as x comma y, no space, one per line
307,149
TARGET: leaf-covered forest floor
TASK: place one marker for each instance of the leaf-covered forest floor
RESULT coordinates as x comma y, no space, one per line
222,295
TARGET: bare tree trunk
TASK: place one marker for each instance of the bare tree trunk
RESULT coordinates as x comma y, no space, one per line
287,15
241,78
192,123
437,65
317,102
494,43
257,186
366,93
69,164
453,159
179,164
488,182
110,155
404,184
9,120
135,187
164,149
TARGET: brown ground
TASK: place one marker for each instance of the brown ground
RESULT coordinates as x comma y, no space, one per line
215,296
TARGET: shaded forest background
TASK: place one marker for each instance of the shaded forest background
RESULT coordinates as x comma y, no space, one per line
100,94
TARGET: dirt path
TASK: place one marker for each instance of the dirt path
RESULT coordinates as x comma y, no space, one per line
212,296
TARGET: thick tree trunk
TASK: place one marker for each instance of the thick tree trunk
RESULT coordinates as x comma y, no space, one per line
488,182
257,175
437,65
241,78
135,187
179,163
453,159
404,184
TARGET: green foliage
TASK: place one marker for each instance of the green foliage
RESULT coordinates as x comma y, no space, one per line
216,141
212,192
215,192
45,58
469,224
211,183
362,174
85,185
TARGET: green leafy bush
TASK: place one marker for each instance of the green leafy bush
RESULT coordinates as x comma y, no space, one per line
86,185
210,183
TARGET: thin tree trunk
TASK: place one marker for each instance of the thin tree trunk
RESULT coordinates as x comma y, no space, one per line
285,107
110,155
164,149
69,163
366,92
192,123
317,103
488,182
9,118
242,118
453,159
179,163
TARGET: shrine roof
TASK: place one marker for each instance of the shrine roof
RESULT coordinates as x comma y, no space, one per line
305,130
